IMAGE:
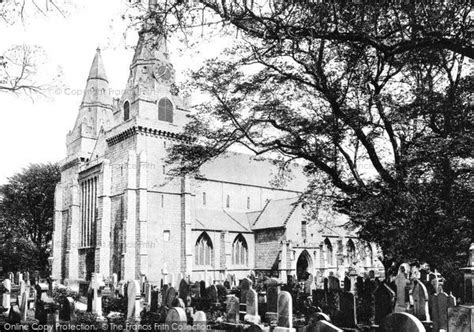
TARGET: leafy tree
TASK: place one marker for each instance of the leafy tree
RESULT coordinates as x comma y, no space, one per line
26,217
374,97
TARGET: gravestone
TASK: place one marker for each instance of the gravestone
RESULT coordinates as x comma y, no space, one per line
461,319
324,326
170,295
184,290
211,292
347,284
285,313
232,309
114,279
6,297
319,298
420,299
334,283
348,317
401,283
178,303
308,283
221,293
384,299
202,289
14,315
22,287
176,319
133,299
199,322
245,285
24,305
272,298
439,310
11,276
147,293
66,311
252,307
97,284
402,322
18,278
154,300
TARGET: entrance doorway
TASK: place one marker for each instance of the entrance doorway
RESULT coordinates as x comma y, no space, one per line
303,266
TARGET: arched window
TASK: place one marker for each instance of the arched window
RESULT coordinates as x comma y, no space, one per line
165,110
329,252
369,260
227,201
240,251
203,250
351,252
204,200
126,111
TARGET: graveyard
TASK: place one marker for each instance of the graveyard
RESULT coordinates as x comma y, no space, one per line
412,300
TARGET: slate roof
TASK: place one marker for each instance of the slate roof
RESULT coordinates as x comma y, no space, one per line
276,213
258,172
208,219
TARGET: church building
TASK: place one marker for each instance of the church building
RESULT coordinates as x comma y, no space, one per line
117,210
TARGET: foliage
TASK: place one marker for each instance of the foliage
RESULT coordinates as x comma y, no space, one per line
60,293
110,304
26,216
373,99
88,319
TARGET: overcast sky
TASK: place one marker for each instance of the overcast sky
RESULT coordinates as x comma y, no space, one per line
33,131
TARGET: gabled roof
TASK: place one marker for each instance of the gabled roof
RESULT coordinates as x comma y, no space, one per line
208,219
276,213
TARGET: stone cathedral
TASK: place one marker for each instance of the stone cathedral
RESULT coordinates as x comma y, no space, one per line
118,211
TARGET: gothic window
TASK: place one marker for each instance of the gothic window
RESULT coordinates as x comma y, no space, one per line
88,211
204,198
369,260
165,110
329,252
240,251
351,252
126,111
203,252
303,229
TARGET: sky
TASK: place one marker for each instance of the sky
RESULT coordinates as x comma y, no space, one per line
33,129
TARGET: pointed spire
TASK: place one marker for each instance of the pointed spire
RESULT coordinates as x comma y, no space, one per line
97,87
97,69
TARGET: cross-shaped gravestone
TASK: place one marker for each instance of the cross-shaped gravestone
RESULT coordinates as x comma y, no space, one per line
97,284
252,307
285,312
402,322
133,298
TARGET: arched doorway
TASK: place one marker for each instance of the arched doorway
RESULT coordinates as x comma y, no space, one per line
304,266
